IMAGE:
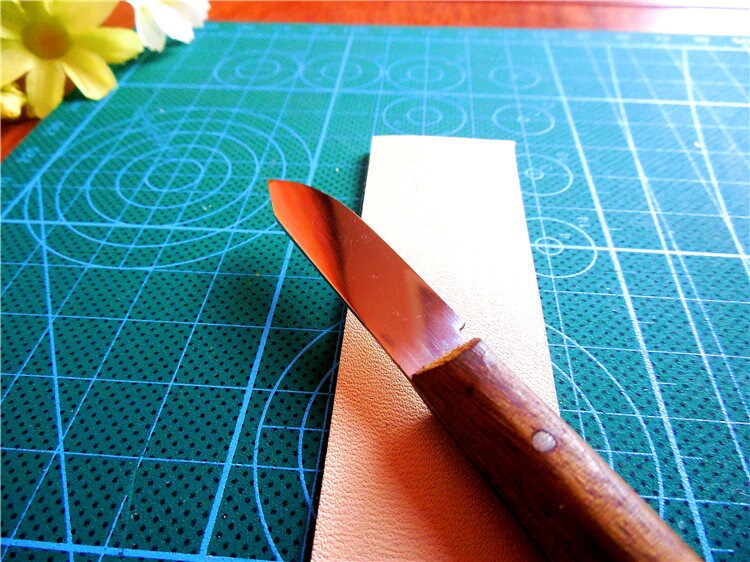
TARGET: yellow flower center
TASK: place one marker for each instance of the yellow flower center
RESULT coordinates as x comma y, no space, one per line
47,38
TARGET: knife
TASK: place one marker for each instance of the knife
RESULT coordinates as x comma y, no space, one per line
571,503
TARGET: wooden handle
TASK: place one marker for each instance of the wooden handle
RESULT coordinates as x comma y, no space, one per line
574,506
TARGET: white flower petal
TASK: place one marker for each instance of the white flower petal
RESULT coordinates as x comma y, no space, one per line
149,32
170,21
113,44
81,16
45,84
195,11
89,72
16,60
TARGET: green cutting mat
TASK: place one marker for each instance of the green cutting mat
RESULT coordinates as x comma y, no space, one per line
168,357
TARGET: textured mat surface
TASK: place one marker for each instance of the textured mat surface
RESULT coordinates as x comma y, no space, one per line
168,357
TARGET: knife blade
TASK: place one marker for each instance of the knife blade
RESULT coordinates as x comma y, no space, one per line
568,499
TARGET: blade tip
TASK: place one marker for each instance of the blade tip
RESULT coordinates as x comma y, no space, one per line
274,186
278,189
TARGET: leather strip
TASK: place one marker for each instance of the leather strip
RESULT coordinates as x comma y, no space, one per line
395,486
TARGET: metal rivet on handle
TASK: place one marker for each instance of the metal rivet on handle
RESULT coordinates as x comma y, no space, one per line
543,441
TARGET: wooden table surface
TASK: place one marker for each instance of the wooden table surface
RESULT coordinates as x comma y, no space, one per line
667,16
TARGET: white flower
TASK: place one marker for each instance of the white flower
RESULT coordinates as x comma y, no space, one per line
157,19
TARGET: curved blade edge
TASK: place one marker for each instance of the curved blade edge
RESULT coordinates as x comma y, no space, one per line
412,323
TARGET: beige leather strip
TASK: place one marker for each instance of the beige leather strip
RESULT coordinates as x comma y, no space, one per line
395,486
